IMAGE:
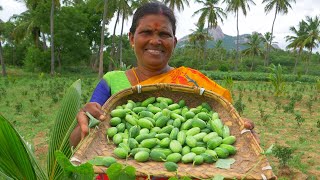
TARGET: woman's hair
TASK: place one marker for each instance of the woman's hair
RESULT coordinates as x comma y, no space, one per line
153,8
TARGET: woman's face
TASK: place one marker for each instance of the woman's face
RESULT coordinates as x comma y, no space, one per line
153,41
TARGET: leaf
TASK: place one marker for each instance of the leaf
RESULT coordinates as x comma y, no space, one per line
102,161
186,178
117,172
114,170
218,177
269,150
225,163
173,178
16,160
130,171
63,126
84,171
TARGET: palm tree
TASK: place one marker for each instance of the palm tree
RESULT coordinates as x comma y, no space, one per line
4,73
28,21
297,41
281,6
266,40
105,8
312,36
126,10
179,4
234,6
210,13
253,47
220,49
198,39
53,4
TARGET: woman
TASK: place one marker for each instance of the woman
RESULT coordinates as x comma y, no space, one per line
152,36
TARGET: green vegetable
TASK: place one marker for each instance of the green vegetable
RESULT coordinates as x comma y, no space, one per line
115,121
121,113
157,156
221,152
197,160
229,140
112,131
174,157
171,166
148,101
188,158
136,150
164,143
130,119
117,139
120,152
175,146
191,141
214,142
141,156
149,143
174,133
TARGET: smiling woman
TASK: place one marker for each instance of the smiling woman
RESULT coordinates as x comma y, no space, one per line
152,36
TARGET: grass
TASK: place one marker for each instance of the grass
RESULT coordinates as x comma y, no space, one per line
30,102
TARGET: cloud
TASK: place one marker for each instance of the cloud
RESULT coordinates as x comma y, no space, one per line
10,7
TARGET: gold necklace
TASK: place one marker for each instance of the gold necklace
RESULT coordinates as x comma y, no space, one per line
135,75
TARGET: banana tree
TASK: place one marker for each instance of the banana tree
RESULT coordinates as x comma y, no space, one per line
17,160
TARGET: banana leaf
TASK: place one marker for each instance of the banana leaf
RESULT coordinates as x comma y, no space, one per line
64,124
16,159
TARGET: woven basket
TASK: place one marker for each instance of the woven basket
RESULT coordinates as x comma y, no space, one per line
249,164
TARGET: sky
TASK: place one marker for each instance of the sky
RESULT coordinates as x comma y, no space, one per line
255,21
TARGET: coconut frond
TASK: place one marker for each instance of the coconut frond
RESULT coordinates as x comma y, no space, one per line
16,159
64,124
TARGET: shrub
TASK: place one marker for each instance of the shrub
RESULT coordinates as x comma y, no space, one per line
284,154
37,60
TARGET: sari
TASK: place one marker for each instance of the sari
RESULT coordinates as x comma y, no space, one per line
190,77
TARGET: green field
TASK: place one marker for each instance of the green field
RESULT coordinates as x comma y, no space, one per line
31,101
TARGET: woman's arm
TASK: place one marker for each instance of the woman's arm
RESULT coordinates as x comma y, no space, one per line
100,95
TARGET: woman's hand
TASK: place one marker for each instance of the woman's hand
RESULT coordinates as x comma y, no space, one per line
248,124
82,128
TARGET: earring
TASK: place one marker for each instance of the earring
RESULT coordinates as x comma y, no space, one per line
132,46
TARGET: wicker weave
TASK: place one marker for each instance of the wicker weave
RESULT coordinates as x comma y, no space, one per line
249,164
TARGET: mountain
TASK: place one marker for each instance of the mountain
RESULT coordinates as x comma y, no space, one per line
228,42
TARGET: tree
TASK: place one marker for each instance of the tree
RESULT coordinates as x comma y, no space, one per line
53,4
296,41
312,36
234,6
32,21
253,47
266,39
220,49
102,39
179,4
198,39
4,73
126,10
210,13
281,6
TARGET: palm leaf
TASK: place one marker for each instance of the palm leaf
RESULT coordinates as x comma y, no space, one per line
64,124
16,159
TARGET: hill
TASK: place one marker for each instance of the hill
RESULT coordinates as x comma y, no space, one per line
228,42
